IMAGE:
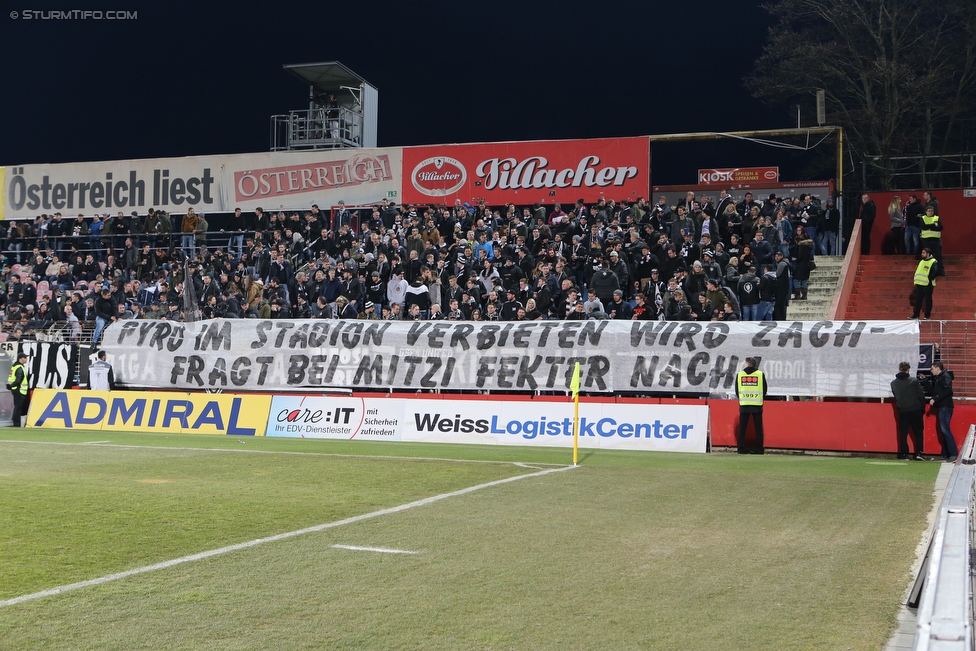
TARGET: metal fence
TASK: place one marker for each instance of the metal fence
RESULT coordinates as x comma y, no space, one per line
955,346
944,587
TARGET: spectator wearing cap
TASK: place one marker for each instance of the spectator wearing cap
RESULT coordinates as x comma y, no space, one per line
716,295
768,209
302,309
352,287
619,309
369,311
620,269
710,267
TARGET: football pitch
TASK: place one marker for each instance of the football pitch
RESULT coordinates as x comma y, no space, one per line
141,541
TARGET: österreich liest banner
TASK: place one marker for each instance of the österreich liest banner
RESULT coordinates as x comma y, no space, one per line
287,180
816,358
528,172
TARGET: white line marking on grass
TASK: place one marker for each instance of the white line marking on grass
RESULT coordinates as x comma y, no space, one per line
261,541
381,550
99,444
94,442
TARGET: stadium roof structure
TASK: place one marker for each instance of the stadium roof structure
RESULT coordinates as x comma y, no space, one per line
342,110
326,76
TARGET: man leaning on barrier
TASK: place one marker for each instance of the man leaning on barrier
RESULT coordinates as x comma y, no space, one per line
942,405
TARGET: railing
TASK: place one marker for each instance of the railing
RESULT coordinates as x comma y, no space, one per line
319,128
917,171
945,608
848,274
955,346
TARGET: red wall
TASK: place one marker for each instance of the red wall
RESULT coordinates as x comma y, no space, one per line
957,213
839,426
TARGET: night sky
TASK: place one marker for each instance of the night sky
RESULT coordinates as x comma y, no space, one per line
205,77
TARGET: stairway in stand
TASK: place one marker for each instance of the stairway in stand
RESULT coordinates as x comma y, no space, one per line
884,283
881,289
820,292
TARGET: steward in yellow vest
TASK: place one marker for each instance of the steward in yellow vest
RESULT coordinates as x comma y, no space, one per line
931,236
925,274
18,382
750,389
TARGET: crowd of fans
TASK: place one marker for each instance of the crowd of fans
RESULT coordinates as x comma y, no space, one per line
701,259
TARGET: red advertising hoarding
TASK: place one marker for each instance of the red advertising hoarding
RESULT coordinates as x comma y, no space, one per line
738,175
527,172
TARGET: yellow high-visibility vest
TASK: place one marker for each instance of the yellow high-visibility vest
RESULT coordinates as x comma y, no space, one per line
922,272
928,221
750,386
21,387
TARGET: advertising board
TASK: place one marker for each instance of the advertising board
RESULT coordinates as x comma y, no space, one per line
677,428
143,411
545,171
287,180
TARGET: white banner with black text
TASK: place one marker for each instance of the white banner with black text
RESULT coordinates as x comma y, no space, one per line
815,358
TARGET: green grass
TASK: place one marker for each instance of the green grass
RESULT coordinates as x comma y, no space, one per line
628,551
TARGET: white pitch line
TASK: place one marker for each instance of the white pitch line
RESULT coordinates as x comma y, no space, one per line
382,550
94,442
261,541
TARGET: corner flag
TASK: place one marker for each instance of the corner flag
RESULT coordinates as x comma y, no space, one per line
574,385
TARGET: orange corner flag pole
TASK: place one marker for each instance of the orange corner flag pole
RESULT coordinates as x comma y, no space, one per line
575,386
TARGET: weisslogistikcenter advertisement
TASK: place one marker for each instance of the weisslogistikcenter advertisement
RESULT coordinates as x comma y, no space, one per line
675,428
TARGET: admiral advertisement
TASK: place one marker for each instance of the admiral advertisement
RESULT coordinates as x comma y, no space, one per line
675,428
553,171
138,411
816,358
272,180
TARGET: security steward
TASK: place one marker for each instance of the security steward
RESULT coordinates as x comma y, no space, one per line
925,274
750,389
931,236
17,383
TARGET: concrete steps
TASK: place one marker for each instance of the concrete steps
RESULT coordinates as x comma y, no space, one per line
884,284
820,291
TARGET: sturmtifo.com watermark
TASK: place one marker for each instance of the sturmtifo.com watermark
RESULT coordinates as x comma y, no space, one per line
73,14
